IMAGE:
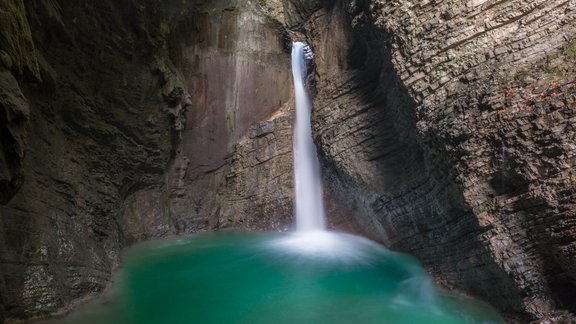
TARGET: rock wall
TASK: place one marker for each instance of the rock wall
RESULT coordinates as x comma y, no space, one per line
91,109
17,54
446,128
106,128
232,167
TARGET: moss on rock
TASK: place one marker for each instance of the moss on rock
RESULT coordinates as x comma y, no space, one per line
16,37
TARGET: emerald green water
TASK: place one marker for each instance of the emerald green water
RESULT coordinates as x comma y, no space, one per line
276,278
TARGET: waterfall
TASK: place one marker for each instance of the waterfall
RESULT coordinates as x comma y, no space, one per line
308,192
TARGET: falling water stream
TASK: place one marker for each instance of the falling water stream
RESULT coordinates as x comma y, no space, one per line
308,276
309,203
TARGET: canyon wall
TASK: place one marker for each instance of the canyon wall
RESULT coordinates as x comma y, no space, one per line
130,120
445,130
233,165
446,127
96,128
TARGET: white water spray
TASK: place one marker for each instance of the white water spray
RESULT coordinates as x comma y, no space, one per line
308,192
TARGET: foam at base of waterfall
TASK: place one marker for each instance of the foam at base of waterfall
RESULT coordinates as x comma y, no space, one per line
324,244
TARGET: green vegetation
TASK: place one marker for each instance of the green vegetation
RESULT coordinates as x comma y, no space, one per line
570,50
266,3
16,37
558,66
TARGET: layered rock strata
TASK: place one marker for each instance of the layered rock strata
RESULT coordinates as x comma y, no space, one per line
447,131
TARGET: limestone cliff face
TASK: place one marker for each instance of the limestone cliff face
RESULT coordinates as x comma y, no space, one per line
128,120
232,167
446,128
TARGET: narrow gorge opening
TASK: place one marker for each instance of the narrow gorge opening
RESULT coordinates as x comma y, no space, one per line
308,276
